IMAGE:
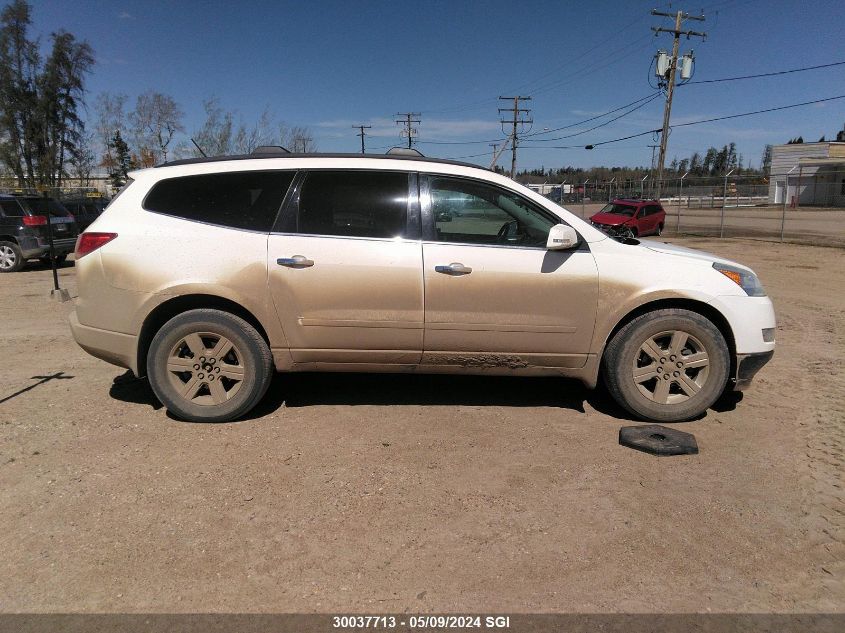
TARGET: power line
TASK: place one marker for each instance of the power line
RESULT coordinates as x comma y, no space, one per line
772,74
699,122
736,116
647,99
598,116
612,56
600,125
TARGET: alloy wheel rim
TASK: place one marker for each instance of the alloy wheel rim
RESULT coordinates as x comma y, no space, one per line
205,368
7,257
671,367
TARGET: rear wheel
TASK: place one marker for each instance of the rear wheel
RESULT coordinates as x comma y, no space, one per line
659,230
11,258
209,366
667,365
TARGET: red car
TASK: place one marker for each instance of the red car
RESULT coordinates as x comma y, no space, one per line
631,218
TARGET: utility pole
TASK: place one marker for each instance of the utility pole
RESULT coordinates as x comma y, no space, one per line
679,16
651,171
653,147
301,139
408,121
362,133
515,120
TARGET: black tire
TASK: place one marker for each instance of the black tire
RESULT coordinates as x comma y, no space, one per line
659,230
252,358
624,356
11,258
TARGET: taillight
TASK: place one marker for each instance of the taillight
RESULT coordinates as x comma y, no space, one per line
35,220
90,242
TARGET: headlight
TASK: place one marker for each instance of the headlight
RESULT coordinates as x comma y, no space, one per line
746,280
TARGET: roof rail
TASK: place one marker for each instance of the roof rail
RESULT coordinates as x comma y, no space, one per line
404,151
271,149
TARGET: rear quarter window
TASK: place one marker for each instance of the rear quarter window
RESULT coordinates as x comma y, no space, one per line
45,206
10,209
240,200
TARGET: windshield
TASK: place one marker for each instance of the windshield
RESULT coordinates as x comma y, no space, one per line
619,209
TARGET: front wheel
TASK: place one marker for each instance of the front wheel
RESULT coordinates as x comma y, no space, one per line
667,365
209,366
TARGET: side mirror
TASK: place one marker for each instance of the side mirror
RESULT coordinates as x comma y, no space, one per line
561,238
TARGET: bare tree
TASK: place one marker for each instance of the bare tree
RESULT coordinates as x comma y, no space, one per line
83,159
215,137
110,118
220,136
297,139
247,138
156,120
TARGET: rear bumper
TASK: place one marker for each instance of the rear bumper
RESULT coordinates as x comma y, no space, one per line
747,366
113,347
32,248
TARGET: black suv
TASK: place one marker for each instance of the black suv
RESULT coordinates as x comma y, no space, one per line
23,230
85,209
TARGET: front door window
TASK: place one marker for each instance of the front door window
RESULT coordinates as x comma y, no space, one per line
469,212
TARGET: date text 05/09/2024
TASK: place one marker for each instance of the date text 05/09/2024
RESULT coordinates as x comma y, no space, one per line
421,621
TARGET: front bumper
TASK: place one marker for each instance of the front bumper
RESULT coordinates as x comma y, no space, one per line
747,366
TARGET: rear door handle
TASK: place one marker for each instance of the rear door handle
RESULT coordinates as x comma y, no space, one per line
297,261
455,268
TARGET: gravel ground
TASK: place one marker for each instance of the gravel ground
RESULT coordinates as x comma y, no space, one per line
372,493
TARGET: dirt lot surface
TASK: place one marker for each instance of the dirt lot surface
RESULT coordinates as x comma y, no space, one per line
392,493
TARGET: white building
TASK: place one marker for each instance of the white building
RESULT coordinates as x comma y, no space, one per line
809,174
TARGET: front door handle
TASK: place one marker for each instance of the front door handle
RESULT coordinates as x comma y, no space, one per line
297,261
455,268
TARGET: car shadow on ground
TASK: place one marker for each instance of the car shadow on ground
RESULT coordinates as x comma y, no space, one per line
35,265
128,388
321,389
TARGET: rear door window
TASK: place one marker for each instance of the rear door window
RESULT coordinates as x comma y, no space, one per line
354,203
240,200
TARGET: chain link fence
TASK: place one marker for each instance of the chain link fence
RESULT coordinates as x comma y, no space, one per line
793,208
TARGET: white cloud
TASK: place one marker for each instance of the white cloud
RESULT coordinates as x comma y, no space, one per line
125,15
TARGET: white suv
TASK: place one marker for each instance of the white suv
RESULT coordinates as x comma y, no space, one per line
206,275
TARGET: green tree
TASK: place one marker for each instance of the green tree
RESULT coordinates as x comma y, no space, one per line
119,172
766,160
39,102
61,91
19,62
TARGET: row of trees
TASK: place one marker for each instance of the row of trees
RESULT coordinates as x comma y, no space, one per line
44,139
149,134
41,131
714,162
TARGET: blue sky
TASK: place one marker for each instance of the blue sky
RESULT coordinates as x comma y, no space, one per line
329,65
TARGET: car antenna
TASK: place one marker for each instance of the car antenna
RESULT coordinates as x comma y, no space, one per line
198,147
